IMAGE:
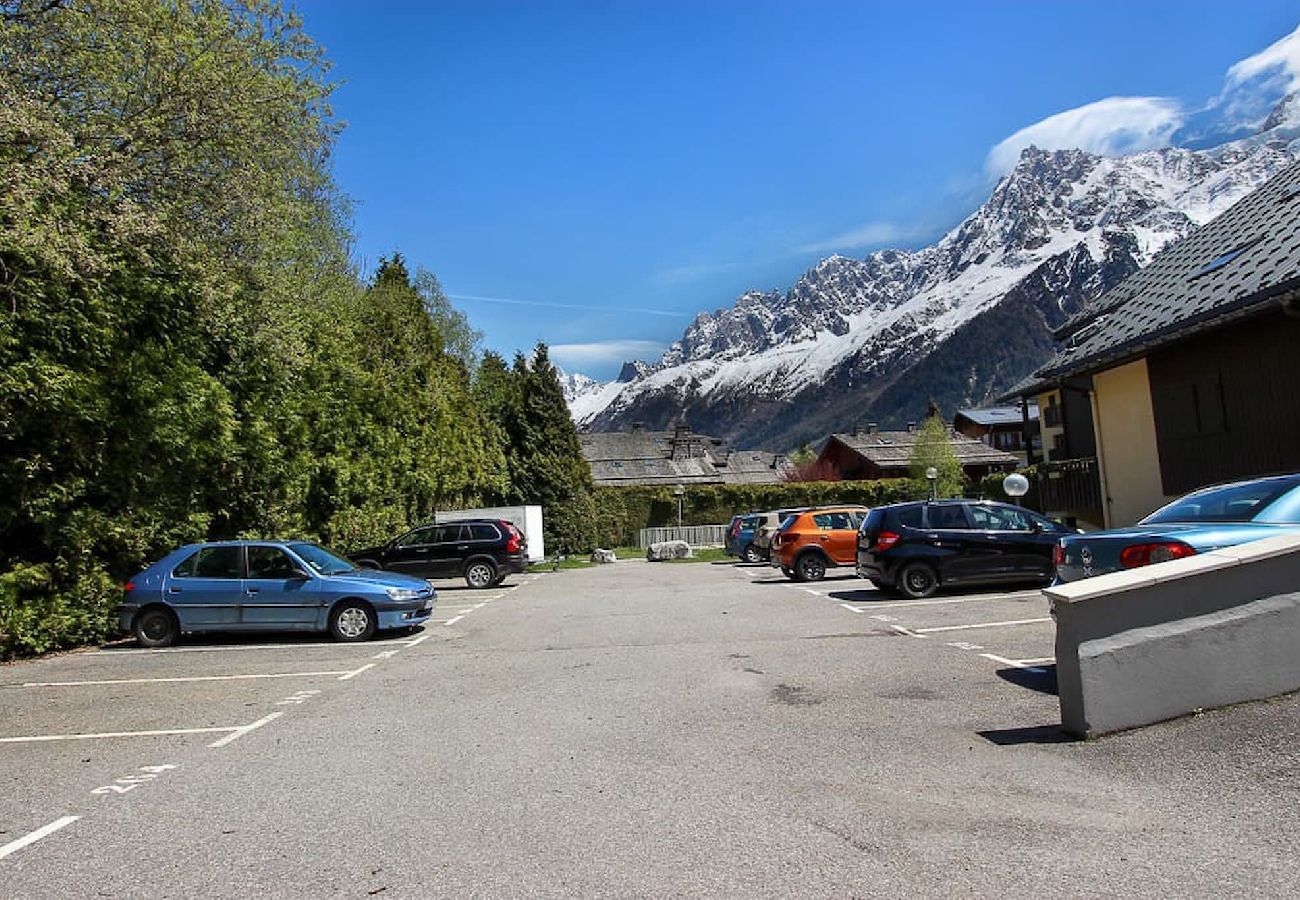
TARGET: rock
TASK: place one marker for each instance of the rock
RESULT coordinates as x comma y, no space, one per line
668,550
603,556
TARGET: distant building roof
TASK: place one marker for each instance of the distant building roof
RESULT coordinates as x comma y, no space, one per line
997,415
1238,264
677,456
893,449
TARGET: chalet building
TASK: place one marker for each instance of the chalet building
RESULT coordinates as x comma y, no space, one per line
1186,374
675,457
1006,428
871,453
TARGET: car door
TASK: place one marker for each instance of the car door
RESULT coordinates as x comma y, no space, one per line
278,590
206,589
449,549
412,553
842,531
1024,551
950,539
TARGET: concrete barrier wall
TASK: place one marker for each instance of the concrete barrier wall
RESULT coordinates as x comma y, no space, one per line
1162,641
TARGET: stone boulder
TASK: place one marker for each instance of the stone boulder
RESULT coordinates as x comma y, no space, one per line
603,556
668,550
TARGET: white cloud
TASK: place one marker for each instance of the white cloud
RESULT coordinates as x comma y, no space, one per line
681,274
872,234
1113,127
605,352
1254,84
551,304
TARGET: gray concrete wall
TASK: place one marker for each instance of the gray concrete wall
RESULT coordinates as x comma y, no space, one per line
1162,641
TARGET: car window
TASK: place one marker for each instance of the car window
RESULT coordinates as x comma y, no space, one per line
483,532
910,517
1232,503
270,562
416,537
212,562
947,515
835,521
450,534
999,518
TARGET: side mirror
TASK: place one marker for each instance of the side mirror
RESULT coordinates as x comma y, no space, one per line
299,575
1036,527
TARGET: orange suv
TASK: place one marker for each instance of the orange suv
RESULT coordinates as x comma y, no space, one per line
809,543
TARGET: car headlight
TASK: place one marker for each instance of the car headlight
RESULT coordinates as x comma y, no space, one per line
402,594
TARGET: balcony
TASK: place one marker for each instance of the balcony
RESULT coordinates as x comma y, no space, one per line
1071,487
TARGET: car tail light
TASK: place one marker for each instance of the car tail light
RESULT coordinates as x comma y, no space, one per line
784,538
128,587
513,542
1157,552
1058,554
885,540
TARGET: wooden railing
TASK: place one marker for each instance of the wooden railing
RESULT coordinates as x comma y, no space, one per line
1070,486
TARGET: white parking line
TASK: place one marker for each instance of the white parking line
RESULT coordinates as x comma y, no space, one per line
47,738
907,631
355,672
420,640
109,654
982,625
850,607
1039,661
453,621
243,730
43,831
1013,663
184,678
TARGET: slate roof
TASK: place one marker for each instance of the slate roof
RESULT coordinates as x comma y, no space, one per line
997,415
893,449
647,457
1234,266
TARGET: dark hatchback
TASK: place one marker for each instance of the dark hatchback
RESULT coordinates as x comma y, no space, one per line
917,548
482,551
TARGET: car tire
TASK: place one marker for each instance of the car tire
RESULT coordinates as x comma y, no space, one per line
352,621
750,554
917,580
480,574
810,567
156,626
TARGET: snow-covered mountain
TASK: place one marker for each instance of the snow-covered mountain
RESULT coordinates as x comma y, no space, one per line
959,321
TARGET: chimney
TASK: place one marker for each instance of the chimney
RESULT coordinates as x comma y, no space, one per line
872,427
911,426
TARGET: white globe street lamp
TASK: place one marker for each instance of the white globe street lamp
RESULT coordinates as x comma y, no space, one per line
679,492
933,475
1016,486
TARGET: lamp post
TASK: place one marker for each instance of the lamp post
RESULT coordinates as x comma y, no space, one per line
932,474
1016,486
679,492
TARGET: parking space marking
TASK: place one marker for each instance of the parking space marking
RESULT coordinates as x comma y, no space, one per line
983,625
1015,664
850,608
896,604
907,631
243,730
1038,661
50,738
348,676
453,621
420,640
181,678
42,832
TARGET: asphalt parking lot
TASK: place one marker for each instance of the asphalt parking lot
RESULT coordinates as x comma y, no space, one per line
640,729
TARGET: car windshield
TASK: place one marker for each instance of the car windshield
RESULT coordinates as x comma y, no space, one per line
321,560
1231,503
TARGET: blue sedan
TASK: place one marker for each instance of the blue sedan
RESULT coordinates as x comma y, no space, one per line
1202,521
268,586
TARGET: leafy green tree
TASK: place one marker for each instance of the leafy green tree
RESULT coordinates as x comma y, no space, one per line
933,448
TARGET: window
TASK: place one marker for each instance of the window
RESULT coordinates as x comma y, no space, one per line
1000,518
270,562
450,534
948,516
483,532
910,517
837,521
1222,260
1232,503
212,562
416,537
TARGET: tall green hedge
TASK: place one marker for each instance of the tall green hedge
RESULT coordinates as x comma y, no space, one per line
621,512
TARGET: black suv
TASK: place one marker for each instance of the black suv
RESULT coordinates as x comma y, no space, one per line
483,551
916,548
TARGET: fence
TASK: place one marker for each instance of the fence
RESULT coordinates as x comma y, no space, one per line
695,535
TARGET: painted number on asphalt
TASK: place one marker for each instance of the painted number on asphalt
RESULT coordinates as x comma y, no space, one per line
131,782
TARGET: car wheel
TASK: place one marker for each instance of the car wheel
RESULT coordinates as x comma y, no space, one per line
750,554
156,627
810,567
352,620
480,574
917,581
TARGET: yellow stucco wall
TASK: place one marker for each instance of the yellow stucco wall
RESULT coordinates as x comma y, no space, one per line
1047,432
1126,443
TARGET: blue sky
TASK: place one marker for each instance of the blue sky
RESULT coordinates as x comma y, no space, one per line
593,174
